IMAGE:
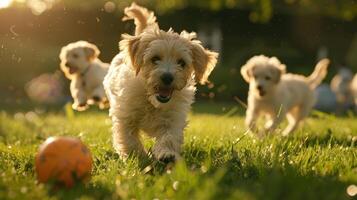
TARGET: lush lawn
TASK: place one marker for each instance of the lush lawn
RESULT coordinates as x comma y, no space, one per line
221,162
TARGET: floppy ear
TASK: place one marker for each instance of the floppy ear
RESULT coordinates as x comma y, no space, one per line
91,51
203,61
278,68
131,46
63,59
63,53
245,71
277,72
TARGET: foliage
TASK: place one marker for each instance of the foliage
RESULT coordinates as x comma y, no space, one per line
220,160
261,10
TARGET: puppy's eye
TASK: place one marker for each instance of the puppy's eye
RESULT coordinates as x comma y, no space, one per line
155,59
181,62
267,78
75,55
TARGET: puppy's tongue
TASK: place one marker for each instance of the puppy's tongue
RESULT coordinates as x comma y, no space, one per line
165,92
73,70
262,93
164,95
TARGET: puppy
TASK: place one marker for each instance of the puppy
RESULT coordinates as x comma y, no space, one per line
80,64
276,94
341,86
151,85
354,91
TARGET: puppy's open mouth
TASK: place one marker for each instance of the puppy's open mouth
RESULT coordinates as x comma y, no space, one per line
163,95
262,93
73,70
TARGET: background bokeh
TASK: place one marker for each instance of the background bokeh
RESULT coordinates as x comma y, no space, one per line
32,33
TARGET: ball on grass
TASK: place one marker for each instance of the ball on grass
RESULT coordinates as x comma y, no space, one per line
63,160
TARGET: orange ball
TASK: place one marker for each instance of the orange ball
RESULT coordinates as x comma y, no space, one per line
63,160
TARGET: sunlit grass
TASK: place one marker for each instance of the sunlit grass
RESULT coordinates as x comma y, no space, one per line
220,160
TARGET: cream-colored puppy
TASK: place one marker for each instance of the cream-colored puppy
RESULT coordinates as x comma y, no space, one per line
81,65
151,85
277,95
354,90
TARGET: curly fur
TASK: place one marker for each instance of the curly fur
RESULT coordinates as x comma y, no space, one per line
134,85
276,94
80,64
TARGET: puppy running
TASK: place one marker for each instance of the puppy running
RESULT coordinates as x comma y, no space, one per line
276,94
80,64
151,85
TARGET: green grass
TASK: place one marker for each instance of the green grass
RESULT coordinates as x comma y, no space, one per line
220,161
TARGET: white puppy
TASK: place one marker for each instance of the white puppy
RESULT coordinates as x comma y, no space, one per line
80,64
151,85
276,94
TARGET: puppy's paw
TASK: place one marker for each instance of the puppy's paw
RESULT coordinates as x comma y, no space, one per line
168,157
261,134
97,99
80,106
103,106
285,133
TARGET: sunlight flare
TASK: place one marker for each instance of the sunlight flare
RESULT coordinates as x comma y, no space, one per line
5,3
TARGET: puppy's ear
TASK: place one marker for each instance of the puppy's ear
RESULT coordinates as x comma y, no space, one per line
63,52
91,51
63,59
203,61
274,61
277,72
131,45
246,73
278,68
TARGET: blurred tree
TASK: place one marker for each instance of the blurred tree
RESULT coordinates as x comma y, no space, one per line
261,10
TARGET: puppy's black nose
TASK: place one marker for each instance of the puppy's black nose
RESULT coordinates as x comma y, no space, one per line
167,78
67,64
259,87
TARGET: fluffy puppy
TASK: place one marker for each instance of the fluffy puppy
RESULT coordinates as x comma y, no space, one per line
151,85
341,86
277,95
80,64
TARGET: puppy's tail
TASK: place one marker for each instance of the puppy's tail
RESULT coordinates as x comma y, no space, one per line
143,18
319,73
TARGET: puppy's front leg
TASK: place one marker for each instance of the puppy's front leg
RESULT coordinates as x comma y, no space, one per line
252,115
98,96
126,139
98,93
274,122
168,145
79,95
